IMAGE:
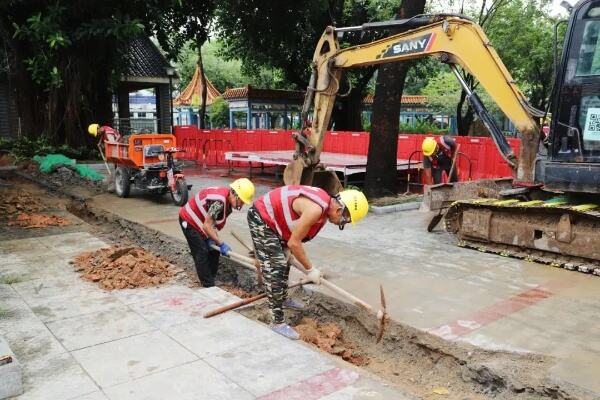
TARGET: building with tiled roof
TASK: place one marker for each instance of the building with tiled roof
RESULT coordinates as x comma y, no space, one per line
145,68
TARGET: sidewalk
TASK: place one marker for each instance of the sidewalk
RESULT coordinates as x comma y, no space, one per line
461,295
77,341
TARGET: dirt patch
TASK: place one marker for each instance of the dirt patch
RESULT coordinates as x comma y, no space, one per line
31,221
14,201
329,338
123,268
239,292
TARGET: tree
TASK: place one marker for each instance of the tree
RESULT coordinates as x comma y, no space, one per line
183,23
61,85
219,113
67,56
283,34
381,174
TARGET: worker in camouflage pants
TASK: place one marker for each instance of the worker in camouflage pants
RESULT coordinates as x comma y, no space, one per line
280,221
273,260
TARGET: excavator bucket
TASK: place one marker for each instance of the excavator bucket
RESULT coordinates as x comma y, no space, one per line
296,173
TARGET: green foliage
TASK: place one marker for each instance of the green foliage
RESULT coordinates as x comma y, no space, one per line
422,127
29,147
223,72
219,113
283,34
529,58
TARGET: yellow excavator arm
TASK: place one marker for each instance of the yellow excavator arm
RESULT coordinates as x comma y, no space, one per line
455,40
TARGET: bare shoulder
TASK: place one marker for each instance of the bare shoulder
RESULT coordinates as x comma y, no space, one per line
303,205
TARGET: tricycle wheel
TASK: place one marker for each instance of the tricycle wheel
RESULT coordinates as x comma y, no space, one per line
180,195
122,182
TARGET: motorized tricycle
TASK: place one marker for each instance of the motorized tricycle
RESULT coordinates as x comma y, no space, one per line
145,161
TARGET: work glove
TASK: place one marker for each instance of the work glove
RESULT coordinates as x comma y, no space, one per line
314,276
210,243
225,249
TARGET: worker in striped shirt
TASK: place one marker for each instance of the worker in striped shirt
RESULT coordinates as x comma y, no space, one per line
203,216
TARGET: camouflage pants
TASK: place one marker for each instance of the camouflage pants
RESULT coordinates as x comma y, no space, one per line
273,261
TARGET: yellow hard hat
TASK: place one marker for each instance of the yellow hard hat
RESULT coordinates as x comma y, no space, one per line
244,189
356,203
429,145
93,129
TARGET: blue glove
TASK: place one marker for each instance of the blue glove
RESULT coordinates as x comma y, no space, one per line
210,243
225,249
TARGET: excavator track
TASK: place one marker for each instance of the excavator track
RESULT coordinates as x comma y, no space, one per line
551,232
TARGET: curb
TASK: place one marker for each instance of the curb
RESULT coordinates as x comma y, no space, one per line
379,210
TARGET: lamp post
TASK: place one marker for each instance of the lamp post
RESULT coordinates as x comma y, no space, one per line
170,73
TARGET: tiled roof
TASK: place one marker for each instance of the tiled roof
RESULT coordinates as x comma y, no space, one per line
144,60
194,89
255,93
407,99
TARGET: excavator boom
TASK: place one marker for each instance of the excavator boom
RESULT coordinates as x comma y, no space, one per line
456,41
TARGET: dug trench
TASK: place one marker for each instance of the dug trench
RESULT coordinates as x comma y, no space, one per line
423,365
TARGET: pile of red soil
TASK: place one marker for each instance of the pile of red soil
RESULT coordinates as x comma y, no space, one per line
123,268
31,221
329,338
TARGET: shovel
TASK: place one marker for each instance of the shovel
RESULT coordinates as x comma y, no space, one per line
437,218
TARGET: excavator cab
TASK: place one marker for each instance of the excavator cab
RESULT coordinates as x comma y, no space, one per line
573,161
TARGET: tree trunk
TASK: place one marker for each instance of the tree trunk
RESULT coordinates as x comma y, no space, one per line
202,111
347,117
381,173
464,120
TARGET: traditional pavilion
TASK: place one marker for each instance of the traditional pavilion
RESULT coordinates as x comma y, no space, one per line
190,99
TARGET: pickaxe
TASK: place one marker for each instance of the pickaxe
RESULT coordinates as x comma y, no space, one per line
381,314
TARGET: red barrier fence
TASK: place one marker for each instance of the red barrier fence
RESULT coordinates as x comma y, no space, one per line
479,157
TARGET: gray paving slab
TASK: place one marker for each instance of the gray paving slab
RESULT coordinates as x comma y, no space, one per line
60,307
92,396
269,365
56,377
116,322
174,308
133,357
10,373
131,296
367,389
204,337
193,381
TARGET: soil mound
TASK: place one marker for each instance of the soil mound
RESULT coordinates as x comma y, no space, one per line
123,267
38,221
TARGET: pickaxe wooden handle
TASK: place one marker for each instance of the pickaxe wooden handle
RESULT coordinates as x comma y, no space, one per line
243,302
381,314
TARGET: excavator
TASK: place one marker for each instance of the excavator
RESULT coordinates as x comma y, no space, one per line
550,212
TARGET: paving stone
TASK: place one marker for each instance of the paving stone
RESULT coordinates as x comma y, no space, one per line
204,337
269,365
174,308
367,389
92,396
57,377
114,323
10,373
131,296
192,381
219,295
133,357
60,307
27,336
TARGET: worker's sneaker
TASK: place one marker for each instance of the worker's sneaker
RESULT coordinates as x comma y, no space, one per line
285,330
294,304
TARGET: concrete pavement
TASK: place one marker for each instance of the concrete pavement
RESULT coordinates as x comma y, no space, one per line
459,294
77,341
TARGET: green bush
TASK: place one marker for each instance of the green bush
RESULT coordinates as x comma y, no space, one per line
28,148
219,113
422,127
